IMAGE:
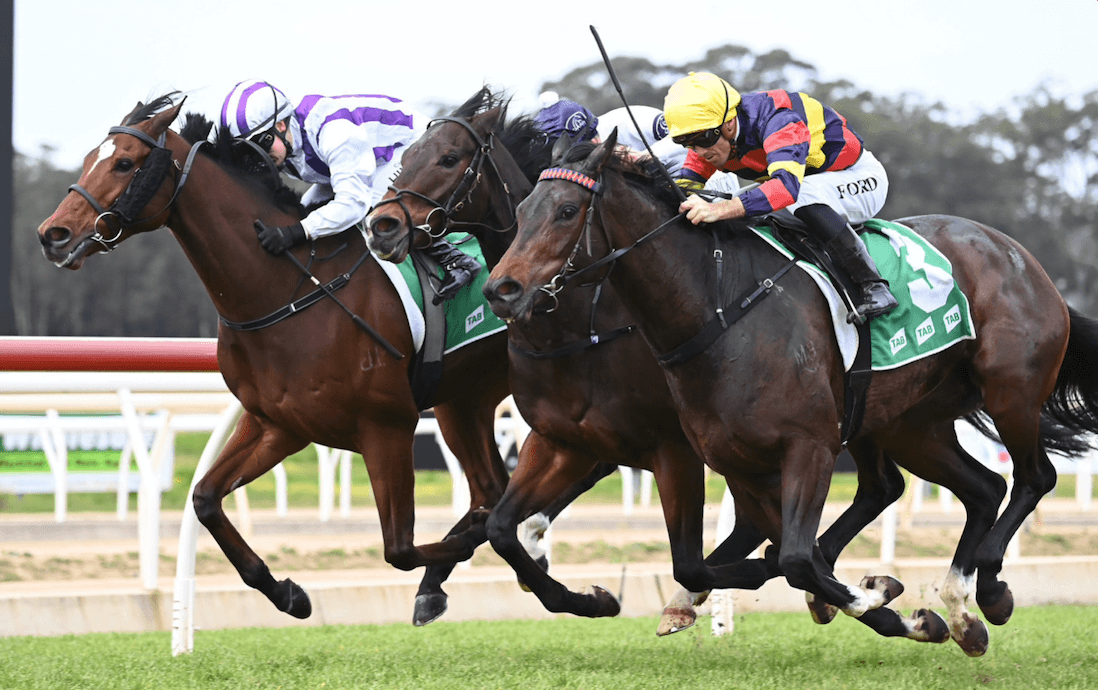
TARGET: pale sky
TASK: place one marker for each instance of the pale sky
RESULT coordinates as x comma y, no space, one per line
81,66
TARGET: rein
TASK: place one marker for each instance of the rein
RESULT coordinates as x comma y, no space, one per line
462,194
143,187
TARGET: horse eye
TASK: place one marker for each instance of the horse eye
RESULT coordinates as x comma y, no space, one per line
124,165
568,212
449,160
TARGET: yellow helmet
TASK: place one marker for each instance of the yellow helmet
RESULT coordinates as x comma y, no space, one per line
699,101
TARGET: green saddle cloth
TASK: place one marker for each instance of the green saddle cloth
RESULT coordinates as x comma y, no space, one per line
933,314
468,317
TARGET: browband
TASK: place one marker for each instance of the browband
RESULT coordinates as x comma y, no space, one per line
571,176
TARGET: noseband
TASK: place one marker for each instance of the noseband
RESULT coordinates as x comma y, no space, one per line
143,187
462,193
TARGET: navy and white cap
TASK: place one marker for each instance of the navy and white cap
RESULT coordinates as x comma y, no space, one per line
567,116
252,107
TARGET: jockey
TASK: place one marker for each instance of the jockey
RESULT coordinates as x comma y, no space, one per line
806,156
349,148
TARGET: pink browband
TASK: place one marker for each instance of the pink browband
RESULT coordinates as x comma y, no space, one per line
572,176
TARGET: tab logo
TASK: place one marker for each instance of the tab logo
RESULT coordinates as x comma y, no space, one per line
475,319
953,318
925,331
898,341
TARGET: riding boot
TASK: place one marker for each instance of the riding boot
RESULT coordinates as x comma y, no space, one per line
849,253
460,268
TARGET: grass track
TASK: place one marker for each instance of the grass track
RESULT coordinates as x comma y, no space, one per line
1046,647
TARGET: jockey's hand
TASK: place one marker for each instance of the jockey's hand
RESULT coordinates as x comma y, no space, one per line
698,210
277,239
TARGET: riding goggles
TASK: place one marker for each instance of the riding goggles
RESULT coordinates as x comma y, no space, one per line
703,139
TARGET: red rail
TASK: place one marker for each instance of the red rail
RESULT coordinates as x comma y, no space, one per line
108,354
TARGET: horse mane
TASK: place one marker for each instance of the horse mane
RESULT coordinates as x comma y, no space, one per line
523,139
240,163
643,173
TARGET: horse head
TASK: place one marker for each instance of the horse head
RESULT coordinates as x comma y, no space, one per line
121,191
555,223
460,175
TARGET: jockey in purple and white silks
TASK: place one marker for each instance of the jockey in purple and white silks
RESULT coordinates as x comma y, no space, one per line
348,147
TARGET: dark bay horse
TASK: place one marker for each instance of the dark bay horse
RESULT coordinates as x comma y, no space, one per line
762,403
584,402
311,377
588,400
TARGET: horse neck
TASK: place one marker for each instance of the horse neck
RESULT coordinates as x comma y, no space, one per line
669,284
511,182
213,221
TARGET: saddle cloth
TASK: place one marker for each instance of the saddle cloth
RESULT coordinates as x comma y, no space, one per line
933,313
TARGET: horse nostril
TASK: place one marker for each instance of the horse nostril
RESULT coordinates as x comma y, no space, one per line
383,226
507,289
55,236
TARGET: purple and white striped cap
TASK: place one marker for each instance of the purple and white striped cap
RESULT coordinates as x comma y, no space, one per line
253,106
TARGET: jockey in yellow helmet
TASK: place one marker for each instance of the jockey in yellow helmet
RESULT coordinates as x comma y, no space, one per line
804,153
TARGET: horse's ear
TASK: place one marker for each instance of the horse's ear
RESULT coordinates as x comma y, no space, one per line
487,121
133,112
160,122
561,147
602,153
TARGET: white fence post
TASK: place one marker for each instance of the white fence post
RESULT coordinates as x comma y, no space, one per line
183,596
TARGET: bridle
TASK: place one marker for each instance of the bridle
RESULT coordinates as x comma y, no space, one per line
461,194
569,272
144,185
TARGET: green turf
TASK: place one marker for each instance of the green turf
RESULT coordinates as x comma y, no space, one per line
1047,647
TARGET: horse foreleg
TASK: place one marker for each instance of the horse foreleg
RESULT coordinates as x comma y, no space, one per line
879,485
726,565
468,427
806,468
544,473
252,450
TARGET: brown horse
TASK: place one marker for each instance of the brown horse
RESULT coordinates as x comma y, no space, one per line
609,401
762,402
315,376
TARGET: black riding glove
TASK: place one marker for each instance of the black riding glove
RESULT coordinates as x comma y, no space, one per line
278,238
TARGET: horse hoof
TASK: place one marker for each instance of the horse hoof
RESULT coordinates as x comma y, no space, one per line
679,613
676,619
606,604
928,626
887,586
998,613
973,637
294,600
428,609
822,612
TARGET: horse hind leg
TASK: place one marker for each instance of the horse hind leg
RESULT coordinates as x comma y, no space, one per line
932,451
252,450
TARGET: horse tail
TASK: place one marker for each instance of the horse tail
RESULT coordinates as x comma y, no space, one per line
1071,413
